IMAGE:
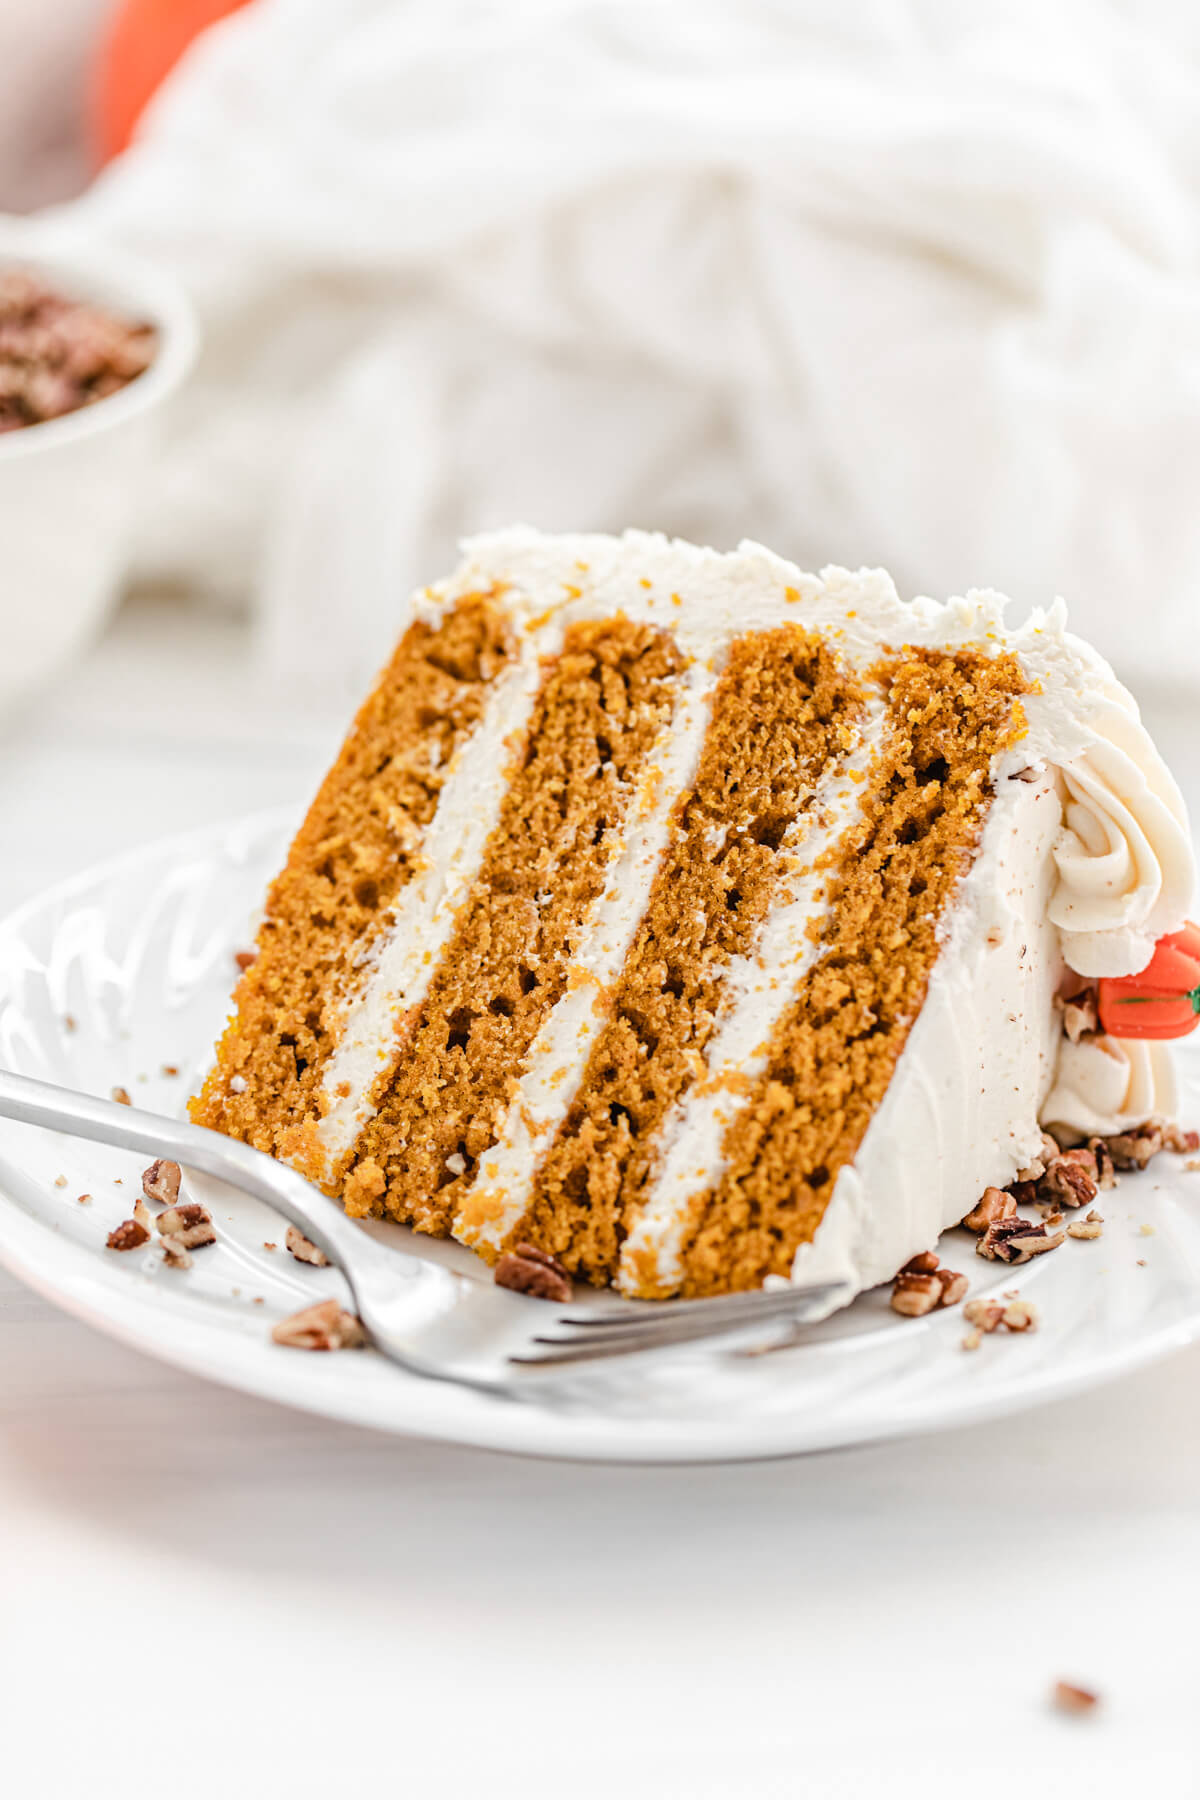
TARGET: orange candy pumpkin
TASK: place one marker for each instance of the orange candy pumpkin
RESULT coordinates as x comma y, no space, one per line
144,41
1163,999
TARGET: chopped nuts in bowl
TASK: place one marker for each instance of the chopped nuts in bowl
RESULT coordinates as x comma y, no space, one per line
93,342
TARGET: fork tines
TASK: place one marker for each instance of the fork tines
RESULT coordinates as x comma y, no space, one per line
621,1333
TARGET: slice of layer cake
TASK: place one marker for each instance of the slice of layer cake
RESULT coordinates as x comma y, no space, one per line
696,920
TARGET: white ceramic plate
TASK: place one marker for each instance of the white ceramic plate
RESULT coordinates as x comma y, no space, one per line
124,972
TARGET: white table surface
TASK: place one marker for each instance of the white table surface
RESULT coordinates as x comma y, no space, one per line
203,1594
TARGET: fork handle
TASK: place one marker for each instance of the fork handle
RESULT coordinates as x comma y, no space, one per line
31,1102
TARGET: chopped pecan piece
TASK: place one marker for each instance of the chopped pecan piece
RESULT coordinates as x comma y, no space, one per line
1037,1165
953,1286
1071,1699
1091,1227
1024,1193
128,1235
994,1204
972,1340
1020,1315
324,1326
121,1096
160,1182
1080,1016
527,1270
1182,1142
1067,1181
1016,1240
1134,1149
915,1295
985,1315
143,1215
190,1226
304,1250
923,1285
1106,1176
175,1254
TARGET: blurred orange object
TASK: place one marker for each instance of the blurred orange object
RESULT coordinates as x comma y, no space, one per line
1163,1000
144,41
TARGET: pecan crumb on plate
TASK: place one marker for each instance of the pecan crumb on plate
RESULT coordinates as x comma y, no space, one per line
528,1270
303,1250
160,1182
923,1285
1016,1240
130,1234
1070,1698
324,1326
1072,1179
993,1204
1009,1314
189,1226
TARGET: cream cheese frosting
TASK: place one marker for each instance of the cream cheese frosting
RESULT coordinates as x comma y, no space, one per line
1124,857
1084,861
1106,1085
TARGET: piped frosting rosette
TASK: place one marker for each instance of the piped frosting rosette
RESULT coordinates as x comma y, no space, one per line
1106,1085
1124,857
1125,878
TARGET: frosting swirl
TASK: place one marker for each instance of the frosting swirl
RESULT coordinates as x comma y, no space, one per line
1105,1085
1124,859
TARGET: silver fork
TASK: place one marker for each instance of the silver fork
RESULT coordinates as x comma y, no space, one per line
433,1322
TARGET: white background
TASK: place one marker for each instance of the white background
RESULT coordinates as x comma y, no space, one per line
202,1594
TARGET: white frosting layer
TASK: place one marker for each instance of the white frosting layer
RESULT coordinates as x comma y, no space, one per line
1125,870
1104,1085
1125,864
1084,858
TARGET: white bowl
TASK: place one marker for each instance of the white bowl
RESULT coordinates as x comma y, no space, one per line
69,488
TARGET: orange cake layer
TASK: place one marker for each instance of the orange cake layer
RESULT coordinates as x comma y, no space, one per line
354,852
784,707
831,1059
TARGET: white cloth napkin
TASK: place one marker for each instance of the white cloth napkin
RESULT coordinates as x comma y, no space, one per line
913,283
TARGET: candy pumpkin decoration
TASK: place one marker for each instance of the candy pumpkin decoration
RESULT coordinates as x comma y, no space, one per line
1163,999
